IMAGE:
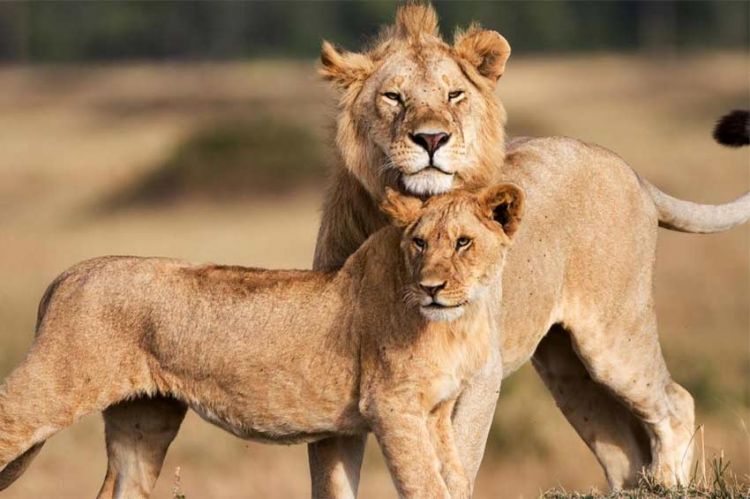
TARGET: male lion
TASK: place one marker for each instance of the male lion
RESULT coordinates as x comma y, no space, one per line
419,115
276,356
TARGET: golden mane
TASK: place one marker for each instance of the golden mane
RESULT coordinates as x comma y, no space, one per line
473,63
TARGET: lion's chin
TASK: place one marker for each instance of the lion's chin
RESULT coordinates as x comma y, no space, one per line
427,182
441,314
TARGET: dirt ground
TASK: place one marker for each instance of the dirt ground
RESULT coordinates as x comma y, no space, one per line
70,136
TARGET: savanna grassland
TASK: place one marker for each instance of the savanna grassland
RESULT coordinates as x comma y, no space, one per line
226,163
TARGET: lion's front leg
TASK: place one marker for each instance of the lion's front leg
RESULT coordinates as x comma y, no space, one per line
473,416
453,470
335,465
335,462
402,431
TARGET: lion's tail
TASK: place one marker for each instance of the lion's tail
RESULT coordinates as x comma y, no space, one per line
685,216
15,468
733,129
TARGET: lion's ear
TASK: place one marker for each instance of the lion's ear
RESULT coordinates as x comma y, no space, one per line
486,50
401,209
503,203
342,67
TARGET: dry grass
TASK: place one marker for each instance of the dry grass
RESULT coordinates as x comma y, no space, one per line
70,137
721,483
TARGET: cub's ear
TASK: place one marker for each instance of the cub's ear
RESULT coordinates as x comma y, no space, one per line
342,67
401,209
486,50
503,203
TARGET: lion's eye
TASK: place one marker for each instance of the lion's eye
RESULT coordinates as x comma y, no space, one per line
420,243
462,242
394,96
455,95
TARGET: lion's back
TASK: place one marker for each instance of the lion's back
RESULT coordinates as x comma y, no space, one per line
90,281
568,169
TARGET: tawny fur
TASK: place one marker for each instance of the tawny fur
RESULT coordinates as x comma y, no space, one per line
276,356
578,283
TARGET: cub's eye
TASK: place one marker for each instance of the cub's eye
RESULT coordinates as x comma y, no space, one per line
455,95
462,242
394,96
420,243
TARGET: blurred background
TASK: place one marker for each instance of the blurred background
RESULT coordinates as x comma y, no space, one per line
199,130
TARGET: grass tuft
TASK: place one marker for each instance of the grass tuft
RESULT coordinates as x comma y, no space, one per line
721,483
176,489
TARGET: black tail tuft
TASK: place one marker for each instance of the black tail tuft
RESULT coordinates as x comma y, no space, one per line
733,129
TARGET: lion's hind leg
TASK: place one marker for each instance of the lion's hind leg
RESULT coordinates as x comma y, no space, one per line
138,434
616,437
49,392
36,401
31,411
18,466
627,360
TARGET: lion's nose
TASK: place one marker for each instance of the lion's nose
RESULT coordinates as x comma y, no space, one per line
431,287
430,142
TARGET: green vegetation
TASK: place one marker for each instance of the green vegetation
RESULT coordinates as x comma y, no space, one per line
79,30
231,160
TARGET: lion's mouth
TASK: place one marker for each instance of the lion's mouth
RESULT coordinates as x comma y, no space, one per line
432,168
437,311
442,306
428,181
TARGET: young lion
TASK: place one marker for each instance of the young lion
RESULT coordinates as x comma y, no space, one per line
276,356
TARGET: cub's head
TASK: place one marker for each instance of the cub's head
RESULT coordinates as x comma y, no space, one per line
418,114
454,244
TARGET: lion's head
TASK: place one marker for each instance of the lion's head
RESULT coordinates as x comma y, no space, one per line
417,113
454,244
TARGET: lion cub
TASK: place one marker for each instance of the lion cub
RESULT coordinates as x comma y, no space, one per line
386,345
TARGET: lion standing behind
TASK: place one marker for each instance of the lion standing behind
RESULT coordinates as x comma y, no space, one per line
419,114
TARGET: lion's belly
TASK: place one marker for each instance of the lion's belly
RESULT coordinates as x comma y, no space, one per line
535,266
283,407
532,282
534,271
295,425
272,393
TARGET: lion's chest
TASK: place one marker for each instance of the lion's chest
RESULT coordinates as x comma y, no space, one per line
440,366
459,363
444,387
